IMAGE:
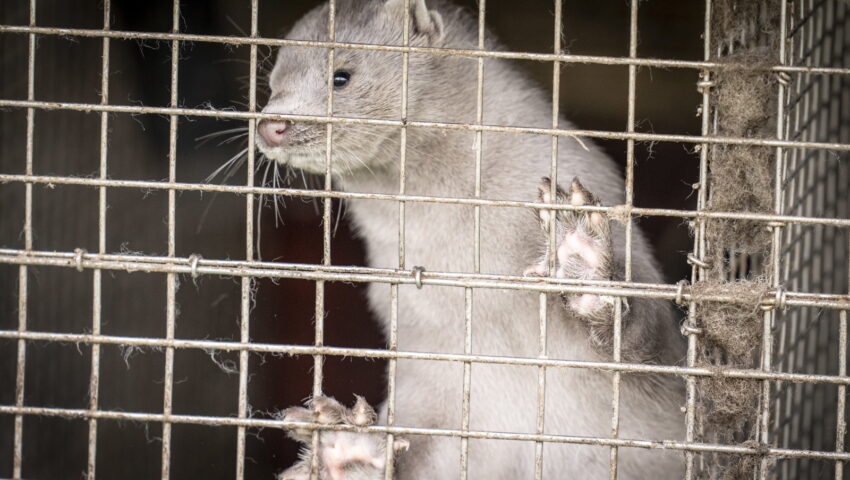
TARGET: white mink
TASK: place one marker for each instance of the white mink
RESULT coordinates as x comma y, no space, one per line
439,237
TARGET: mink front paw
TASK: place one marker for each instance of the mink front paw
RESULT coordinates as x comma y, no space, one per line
342,455
583,248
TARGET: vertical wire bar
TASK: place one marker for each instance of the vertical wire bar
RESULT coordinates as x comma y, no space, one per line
785,417
479,145
543,307
402,174
828,182
389,472
840,421
771,317
94,379
247,284
541,387
319,340
326,213
812,205
819,125
476,245
841,405
467,385
697,271
630,162
171,279
20,373
813,276
786,339
556,100
800,161
790,469
630,147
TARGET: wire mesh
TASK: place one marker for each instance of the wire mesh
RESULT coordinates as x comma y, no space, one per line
814,258
802,413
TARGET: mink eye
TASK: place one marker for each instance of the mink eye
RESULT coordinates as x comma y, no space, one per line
341,78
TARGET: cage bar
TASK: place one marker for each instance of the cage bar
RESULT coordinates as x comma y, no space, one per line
171,278
247,282
573,133
542,57
17,456
97,303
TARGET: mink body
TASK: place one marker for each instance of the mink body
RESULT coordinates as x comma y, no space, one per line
440,237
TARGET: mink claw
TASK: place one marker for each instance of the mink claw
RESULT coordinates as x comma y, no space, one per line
327,410
362,414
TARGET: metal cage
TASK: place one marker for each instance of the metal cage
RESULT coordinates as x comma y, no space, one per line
801,373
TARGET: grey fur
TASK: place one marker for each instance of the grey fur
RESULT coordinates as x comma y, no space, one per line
440,237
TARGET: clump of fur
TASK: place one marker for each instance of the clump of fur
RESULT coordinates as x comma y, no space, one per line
733,328
741,181
731,337
741,176
745,94
740,467
731,402
733,467
744,99
744,24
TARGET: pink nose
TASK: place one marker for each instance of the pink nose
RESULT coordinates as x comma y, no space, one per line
273,132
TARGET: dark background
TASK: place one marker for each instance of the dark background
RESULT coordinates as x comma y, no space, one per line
65,218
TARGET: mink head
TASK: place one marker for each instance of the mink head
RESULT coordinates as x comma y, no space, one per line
365,84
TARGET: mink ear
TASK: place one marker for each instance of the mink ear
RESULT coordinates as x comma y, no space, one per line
425,22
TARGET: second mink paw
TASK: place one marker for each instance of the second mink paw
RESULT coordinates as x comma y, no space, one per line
341,455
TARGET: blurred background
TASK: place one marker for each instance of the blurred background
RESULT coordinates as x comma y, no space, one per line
65,218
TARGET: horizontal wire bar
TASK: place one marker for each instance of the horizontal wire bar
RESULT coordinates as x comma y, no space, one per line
309,350
545,57
478,434
603,134
199,266
50,181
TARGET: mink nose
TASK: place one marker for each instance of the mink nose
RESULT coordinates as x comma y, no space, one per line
273,132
